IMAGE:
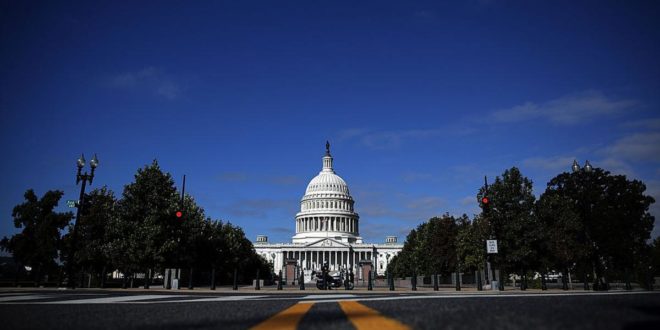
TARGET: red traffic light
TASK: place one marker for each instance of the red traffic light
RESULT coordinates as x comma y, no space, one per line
485,200
179,214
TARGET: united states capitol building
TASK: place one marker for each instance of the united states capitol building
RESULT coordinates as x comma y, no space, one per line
328,231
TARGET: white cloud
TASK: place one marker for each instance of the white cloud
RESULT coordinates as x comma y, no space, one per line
616,166
149,79
233,177
566,110
554,164
430,203
386,139
415,176
468,200
647,123
636,147
258,208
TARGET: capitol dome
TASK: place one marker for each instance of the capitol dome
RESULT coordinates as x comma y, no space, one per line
326,209
327,182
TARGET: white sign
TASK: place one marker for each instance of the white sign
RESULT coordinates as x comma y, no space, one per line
491,246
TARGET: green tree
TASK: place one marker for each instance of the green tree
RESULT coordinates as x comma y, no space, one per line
429,249
560,248
141,237
512,223
39,242
93,227
614,217
471,243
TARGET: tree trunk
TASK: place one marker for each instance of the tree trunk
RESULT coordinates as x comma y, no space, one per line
213,278
480,286
235,287
103,274
37,279
18,268
147,275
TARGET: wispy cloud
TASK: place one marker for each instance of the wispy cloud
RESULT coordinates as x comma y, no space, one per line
386,139
428,203
615,166
636,147
375,232
378,203
410,177
149,79
285,180
648,123
233,177
281,180
258,208
556,164
566,110
468,200
281,230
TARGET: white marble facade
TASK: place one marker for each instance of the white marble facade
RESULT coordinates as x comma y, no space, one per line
328,230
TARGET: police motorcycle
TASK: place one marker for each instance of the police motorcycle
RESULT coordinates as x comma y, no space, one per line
335,280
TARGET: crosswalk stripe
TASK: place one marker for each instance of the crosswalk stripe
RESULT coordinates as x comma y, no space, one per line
328,296
227,298
287,319
21,298
107,300
365,318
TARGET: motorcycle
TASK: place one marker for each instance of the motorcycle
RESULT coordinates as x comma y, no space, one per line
333,281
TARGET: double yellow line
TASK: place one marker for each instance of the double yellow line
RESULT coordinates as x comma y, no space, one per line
361,316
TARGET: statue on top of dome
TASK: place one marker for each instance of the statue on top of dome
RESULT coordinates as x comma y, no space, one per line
327,148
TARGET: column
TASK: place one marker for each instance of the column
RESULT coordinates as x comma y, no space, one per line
334,262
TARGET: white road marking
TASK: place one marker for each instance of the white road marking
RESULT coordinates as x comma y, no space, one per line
329,296
108,300
227,298
504,295
21,298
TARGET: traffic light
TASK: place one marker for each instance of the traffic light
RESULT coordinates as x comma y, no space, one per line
485,200
178,214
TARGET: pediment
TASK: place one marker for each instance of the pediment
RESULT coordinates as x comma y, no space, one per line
327,242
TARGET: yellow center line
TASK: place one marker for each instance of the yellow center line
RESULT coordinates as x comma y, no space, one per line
365,318
287,319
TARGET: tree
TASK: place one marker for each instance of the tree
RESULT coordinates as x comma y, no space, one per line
37,245
512,222
141,236
560,249
471,243
91,252
614,218
429,249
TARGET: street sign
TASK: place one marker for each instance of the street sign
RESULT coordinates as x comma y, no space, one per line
491,246
71,203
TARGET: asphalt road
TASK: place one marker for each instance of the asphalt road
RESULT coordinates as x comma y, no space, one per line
112,309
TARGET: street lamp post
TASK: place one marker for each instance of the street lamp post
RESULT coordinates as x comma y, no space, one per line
576,169
84,178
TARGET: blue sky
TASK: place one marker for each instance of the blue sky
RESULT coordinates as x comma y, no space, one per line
420,100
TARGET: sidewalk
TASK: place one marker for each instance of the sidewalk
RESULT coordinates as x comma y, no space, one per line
311,289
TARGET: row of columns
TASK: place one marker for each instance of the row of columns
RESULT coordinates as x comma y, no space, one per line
336,259
334,204
342,224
